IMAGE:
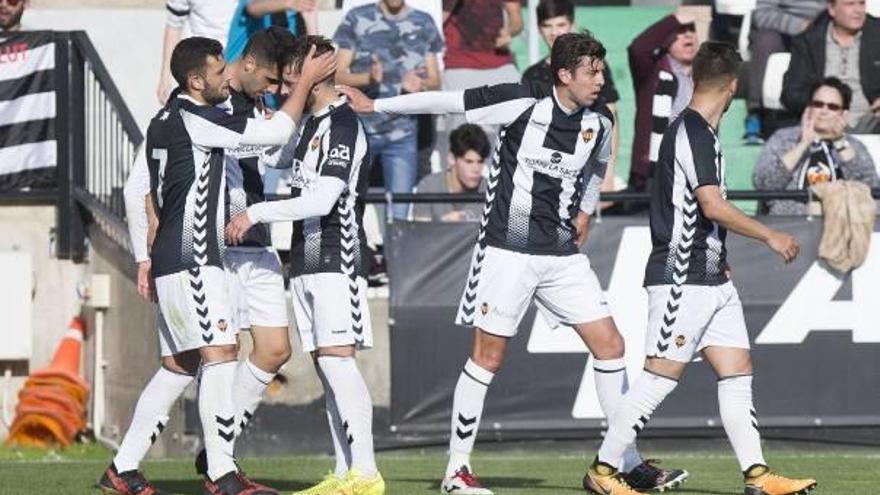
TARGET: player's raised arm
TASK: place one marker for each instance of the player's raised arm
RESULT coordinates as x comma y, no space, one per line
498,104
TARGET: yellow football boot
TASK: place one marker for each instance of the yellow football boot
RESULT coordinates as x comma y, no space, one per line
358,484
602,479
328,486
761,481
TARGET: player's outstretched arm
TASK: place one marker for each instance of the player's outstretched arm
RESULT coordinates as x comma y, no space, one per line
425,102
718,209
314,202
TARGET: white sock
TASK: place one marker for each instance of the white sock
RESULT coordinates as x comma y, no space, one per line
247,391
217,412
632,414
611,384
355,409
467,409
740,420
341,449
150,417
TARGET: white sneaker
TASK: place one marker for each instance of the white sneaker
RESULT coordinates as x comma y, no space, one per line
463,482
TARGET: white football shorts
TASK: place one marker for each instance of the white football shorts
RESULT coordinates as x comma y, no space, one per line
331,310
256,287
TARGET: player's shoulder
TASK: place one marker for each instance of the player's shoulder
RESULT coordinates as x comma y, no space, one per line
699,132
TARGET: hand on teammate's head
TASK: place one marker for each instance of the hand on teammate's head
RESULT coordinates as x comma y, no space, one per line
317,68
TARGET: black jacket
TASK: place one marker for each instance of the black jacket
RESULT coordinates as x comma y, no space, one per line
808,63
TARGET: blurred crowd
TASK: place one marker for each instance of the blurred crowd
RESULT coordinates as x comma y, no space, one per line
822,53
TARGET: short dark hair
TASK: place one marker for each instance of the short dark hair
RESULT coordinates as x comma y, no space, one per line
270,47
716,63
549,9
303,44
834,83
570,49
467,137
190,56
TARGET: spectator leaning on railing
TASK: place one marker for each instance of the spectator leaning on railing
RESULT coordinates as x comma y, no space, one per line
774,24
660,61
10,14
468,150
843,43
817,151
387,49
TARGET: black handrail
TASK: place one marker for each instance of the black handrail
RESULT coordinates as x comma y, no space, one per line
87,49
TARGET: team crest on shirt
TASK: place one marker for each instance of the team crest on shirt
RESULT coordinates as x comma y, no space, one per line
315,143
484,308
222,325
680,341
587,135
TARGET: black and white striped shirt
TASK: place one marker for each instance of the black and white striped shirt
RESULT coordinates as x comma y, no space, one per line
688,248
549,162
185,155
330,176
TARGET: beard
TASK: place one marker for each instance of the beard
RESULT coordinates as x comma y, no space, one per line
215,96
13,21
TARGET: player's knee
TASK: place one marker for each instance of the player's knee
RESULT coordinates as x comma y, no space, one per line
488,358
274,357
186,363
218,353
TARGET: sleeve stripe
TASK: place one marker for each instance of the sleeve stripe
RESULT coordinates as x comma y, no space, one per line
177,12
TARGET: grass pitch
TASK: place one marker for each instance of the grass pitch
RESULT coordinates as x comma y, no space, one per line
76,470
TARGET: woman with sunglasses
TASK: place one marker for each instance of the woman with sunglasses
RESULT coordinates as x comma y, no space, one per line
818,150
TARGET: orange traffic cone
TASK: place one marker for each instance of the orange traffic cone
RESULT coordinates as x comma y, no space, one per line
65,363
52,405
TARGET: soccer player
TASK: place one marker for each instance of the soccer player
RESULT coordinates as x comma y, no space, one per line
543,186
330,176
185,156
693,306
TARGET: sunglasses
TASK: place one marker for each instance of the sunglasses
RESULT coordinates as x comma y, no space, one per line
834,107
12,3
687,28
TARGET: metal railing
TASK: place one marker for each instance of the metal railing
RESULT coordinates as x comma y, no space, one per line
98,137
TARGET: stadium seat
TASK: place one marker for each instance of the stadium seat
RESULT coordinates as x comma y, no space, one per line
872,142
777,65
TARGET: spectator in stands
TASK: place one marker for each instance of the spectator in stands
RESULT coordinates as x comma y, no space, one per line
818,150
774,24
386,49
298,16
478,36
660,61
555,18
468,150
207,18
842,43
10,15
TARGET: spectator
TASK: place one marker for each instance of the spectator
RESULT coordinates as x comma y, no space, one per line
818,150
207,18
468,150
660,61
297,16
10,15
555,18
478,36
388,48
774,24
842,43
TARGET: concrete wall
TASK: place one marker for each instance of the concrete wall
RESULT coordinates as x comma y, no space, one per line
29,229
